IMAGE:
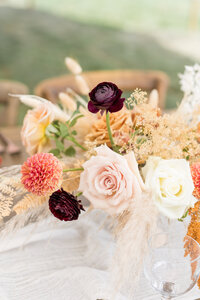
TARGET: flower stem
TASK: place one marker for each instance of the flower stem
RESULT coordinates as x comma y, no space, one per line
77,144
110,132
72,170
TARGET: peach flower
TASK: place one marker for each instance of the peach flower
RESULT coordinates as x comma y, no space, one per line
41,174
33,130
109,182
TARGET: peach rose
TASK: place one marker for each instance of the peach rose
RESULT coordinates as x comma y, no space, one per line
108,181
33,130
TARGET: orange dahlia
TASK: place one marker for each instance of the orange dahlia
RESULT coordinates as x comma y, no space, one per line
195,171
41,173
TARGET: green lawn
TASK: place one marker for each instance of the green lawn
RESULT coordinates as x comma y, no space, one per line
128,14
33,46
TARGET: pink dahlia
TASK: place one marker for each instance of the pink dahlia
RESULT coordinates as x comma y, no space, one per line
41,173
195,170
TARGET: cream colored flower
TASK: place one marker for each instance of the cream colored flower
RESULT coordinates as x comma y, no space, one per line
108,182
171,184
33,130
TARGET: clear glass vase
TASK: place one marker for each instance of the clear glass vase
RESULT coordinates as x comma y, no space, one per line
172,264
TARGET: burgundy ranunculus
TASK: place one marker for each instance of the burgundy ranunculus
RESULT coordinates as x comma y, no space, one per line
65,206
106,96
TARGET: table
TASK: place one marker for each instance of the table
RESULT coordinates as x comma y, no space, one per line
56,260
13,133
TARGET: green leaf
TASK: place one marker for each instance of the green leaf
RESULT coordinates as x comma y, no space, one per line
73,122
70,151
74,132
60,145
63,130
185,149
56,124
184,216
55,152
51,129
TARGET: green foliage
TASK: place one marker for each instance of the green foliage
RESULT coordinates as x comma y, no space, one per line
55,152
184,216
59,132
74,120
70,151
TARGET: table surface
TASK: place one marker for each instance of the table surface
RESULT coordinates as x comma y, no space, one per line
145,293
13,133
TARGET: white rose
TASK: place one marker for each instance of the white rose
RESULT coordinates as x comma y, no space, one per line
171,184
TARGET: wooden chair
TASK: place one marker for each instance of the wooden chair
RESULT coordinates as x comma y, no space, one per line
10,105
127,80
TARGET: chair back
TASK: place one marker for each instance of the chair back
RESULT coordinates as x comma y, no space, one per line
9,106
127,80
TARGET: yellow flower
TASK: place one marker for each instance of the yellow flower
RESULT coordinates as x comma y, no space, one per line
33,130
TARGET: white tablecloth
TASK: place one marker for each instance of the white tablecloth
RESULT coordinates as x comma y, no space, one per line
63,261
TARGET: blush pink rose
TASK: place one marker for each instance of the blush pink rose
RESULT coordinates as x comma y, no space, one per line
109,182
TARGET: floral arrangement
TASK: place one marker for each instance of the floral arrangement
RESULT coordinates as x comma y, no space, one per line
124,156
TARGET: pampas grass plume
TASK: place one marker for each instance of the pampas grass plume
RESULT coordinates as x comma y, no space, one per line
67,101
73,66
82,85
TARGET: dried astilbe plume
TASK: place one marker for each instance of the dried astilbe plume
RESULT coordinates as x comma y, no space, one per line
138,97
120,123
164,136
132,243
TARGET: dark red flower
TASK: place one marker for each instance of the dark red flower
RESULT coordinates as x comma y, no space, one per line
65,206
106,96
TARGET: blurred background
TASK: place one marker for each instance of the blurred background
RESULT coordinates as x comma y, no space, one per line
36,36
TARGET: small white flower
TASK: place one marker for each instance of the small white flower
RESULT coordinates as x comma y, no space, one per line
190,85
